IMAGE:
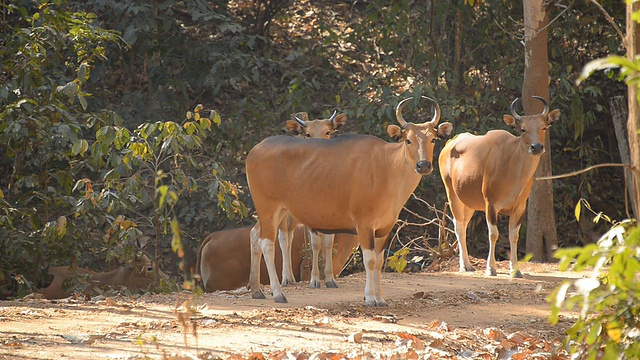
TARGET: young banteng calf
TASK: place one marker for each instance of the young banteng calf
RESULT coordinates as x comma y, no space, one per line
494,173
135,277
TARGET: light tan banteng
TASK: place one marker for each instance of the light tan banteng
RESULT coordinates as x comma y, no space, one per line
494,173
354,184
136,276
223,258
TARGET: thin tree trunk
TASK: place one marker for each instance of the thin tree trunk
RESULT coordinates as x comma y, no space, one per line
633,124
619,116
542,238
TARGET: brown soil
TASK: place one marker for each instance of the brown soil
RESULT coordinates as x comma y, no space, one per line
441,315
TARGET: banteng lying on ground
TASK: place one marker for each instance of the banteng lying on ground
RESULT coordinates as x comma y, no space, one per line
494,173
223,258
136,276
354,184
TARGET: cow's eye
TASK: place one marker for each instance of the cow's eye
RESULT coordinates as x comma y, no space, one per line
308,135
408,142
328,133
433,141
522,130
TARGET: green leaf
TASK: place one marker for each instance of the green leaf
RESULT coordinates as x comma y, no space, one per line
79,147
83,102
216,118
604,63
82,72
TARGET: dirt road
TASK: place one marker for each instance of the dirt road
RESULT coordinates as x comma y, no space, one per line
444,315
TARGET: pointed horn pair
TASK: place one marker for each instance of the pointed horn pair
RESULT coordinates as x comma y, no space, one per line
434,120
304,123
544,111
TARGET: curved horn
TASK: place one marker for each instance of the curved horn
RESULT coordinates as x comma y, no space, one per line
436,108
335,113
300,121
544,102
399,117
513,111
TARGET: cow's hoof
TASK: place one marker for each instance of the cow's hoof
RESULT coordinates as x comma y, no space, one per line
491,272
258,295
331,284
517,274
314,284
467,268
288,282
280,299
376,303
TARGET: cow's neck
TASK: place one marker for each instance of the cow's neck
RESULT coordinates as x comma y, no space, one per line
407,170
517,167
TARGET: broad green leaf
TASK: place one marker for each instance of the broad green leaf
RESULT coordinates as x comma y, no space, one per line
216,118
604,63
82,72
79,147
83,102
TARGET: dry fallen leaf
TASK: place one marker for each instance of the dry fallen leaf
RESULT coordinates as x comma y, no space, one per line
321,322
519,338
355,338
386,318
493,334
85,339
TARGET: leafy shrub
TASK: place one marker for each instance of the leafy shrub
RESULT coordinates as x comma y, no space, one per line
609,312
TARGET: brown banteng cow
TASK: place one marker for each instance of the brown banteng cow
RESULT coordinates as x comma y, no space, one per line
354,184
136,276
494,173
222,258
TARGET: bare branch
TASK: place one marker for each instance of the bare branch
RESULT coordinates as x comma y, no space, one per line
630,167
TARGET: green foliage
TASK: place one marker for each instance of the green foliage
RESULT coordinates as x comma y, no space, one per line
609,313
46,56
82,189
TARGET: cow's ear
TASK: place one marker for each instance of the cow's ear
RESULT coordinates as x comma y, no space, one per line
294,127
446,128
510,121
395,132
339,121
553,116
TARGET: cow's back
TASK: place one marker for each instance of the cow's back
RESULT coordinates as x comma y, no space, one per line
318,180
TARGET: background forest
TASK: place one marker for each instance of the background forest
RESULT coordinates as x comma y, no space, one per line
124,124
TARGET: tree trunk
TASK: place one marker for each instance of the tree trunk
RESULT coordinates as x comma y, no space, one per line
633,124
542,239
619,116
